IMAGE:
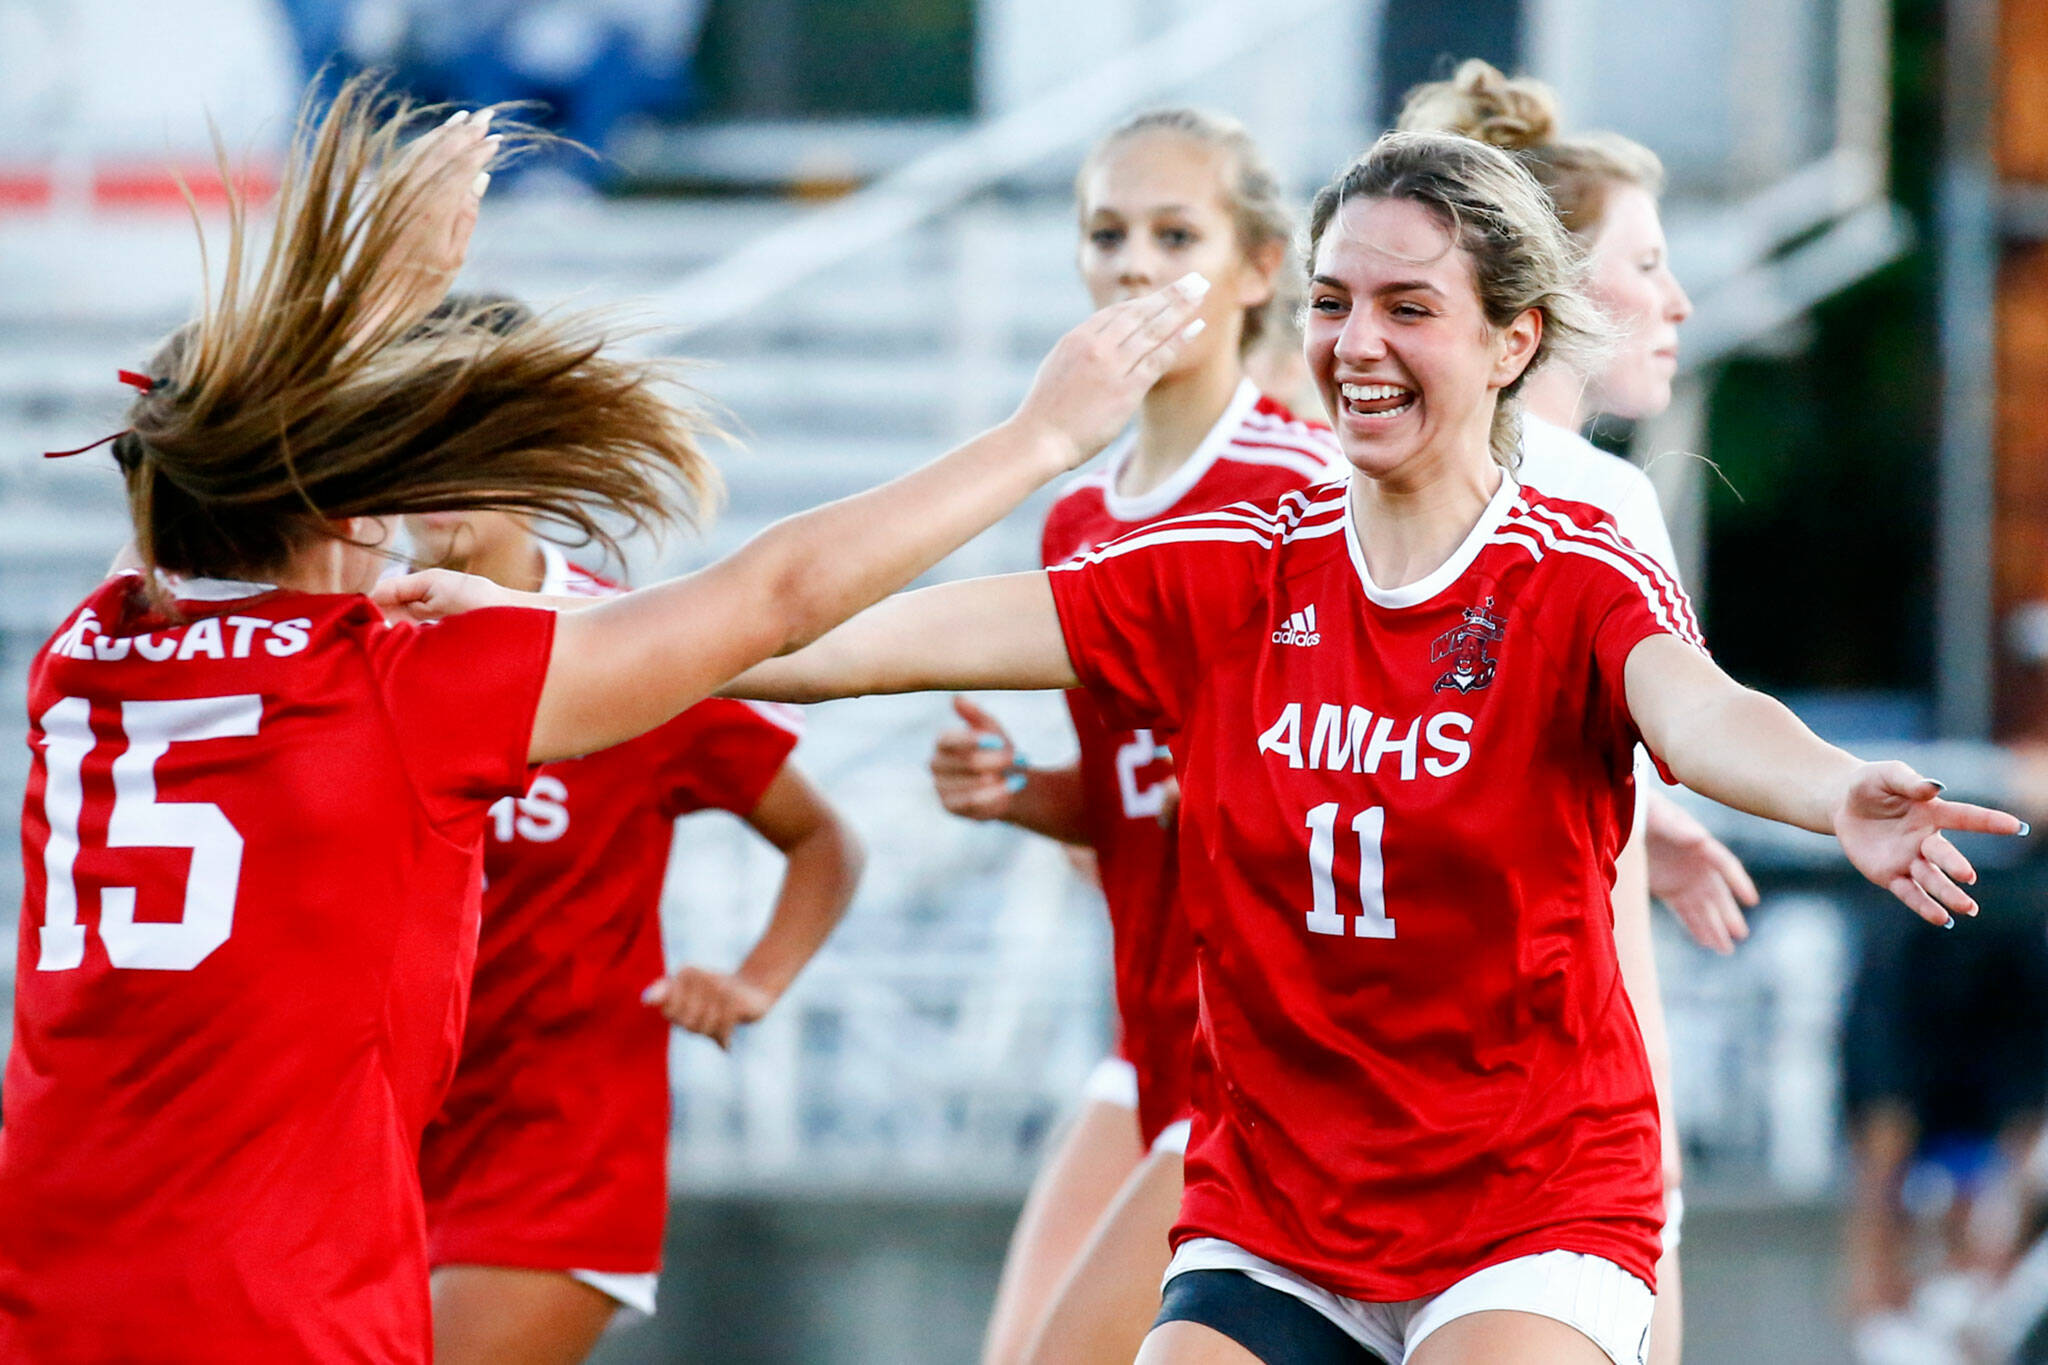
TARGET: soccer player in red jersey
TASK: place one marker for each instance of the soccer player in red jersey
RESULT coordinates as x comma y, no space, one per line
256,810
1605,188
1167,191
1424,1125
546,1172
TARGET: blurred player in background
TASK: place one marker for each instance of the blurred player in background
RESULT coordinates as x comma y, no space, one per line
256,810
546,1172
1605,189
1944,1065
1166,192
1425,1128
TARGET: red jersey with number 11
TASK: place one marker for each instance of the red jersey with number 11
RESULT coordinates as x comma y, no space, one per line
1257,450
1397,840
251,845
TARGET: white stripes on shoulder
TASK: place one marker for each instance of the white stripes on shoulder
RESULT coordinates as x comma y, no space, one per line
1300,515
1541,530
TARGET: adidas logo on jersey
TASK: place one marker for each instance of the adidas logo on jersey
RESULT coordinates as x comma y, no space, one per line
1299,630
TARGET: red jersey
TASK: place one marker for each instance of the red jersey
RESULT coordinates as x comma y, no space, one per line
551,1150
1399,815
1257,450
251,845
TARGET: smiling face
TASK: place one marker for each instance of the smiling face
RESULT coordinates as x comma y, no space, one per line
1402,352
1154,205
1630,279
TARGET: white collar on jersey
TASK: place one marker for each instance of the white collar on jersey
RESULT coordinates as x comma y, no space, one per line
1146,506
1443,575
211,589
555,571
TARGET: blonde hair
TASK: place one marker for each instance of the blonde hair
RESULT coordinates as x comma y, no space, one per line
1496,213
294,402
1251,191
1520,116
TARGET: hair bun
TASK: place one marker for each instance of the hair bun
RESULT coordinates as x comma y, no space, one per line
1480,103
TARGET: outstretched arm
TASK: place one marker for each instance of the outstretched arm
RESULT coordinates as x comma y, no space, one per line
1747,750
623,666
980,634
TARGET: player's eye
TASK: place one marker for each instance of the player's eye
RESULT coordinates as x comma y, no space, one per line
1105,238
1328,304
1176,238
1409,310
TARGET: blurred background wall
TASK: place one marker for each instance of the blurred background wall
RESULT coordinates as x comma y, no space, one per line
856,216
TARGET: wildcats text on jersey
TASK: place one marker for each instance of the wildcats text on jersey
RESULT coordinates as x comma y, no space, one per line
209,637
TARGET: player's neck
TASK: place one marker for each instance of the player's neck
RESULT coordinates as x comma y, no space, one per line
516,563
1179,413
1414,519
1557,395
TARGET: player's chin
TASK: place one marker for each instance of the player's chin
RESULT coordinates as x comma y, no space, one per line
1377,453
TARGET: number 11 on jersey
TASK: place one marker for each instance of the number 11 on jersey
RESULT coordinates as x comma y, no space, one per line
1372,920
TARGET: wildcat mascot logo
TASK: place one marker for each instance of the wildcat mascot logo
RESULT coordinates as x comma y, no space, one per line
1464,644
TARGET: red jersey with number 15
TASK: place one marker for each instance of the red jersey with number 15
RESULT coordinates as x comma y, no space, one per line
1397,842
251,844
551,1149
1257,450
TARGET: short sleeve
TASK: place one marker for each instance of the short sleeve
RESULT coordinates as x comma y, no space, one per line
462,694
1632,598
722,755
1127,615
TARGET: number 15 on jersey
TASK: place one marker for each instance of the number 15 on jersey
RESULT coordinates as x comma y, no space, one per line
140,820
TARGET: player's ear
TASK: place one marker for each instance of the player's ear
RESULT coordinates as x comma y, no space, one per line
1515,346
1262,274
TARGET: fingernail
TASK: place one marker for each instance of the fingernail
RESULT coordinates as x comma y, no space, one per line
1015,782
1192,330
483,120
988,742
1939,786
480,184
1193,285
652,993
1949,923
459,116
2025,829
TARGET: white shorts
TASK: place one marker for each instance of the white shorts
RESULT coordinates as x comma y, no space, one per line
1113,1081
1589,1293
1674,1214
634,1291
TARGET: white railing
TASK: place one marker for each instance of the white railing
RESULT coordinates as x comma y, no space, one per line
911,196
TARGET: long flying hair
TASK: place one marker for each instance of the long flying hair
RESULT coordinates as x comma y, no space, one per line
300,397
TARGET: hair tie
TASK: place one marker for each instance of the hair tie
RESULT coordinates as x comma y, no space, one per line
139,382
60,454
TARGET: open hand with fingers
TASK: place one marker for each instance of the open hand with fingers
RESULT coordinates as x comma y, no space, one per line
1696,876
1892,824
1091,382
707,1002
447,170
